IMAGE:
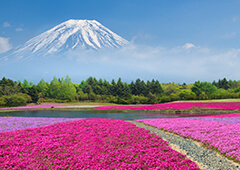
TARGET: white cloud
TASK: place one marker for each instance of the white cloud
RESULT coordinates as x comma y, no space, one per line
6,24
176,64
229,36
142,37
4,44
188,46
19,29
141,61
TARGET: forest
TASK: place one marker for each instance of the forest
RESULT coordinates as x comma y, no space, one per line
60,90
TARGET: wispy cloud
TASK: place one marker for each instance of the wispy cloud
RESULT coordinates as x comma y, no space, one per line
6,24
142,36
188,46
175,63
178,64
19,29
229,35
234,19
4,44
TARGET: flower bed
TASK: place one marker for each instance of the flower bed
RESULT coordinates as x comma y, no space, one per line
16,123
178,106
88,144
216,132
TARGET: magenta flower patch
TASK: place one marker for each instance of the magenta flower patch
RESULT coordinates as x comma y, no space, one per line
177,106
88,144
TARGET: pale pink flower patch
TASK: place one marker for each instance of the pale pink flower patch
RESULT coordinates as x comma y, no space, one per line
219,131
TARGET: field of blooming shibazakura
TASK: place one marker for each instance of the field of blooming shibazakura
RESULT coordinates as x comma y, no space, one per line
177,106
83,144
219,132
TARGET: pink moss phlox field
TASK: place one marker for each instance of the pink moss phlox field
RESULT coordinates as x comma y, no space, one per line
15,123
229,118
178,106
88,144
42,106
222,133
226,115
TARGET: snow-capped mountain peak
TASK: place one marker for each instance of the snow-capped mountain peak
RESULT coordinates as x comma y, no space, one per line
72,34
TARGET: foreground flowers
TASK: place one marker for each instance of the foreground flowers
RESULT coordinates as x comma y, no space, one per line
216,132
177,106
88,144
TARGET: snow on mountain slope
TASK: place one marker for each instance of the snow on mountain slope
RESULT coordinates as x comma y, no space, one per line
72,34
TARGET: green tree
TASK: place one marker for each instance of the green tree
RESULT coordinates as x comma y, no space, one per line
222,84
8,87
139,88
54,88
157,88
67,90
154,87
205,87
33,92
106,88
42,87
81,86
187,94
113,88
120,88
171,88
203,96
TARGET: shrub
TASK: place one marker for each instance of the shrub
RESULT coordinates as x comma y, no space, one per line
18,99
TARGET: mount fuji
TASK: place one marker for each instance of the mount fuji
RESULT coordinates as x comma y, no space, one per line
69,36
80,48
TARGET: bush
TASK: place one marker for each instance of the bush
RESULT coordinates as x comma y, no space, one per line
18,99
203,96
165,99
135,99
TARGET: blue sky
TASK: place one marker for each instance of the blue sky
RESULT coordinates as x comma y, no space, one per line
209,26
167,22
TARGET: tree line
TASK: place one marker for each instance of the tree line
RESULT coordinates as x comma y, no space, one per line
13,93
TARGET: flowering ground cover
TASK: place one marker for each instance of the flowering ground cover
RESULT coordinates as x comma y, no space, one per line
177,106
232,118
16,123
219,133
88,144
42,106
